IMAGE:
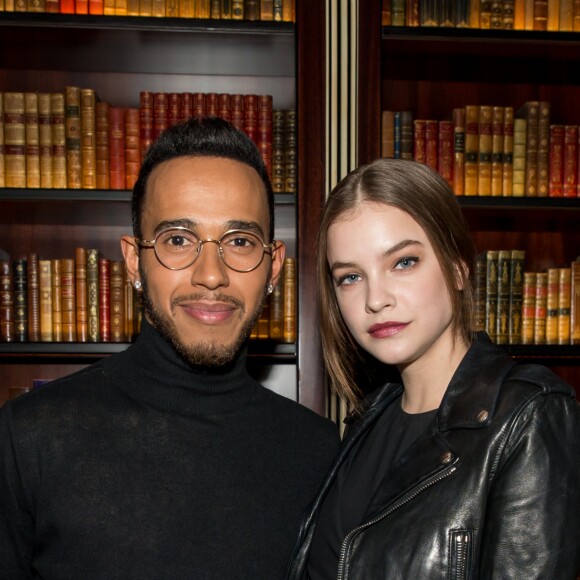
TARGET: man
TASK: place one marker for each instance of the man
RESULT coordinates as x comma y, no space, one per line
168,461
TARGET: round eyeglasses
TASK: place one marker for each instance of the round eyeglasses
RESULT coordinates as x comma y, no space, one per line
178,248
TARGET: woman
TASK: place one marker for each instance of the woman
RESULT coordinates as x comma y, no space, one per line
470,467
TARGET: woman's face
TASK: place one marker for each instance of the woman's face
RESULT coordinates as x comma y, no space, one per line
389,285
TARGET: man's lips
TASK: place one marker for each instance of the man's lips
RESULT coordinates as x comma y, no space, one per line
208,312
386,329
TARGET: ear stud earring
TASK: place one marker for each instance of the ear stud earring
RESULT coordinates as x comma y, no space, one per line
269,289
137,284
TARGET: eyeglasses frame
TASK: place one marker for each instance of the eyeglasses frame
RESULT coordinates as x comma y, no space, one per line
267,248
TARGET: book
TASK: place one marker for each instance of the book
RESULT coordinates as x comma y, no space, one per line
543,148
33,285
58,131
276,330
529,307
431,143
485,150
146,120
552,306
32,138
406,135
20,294
102,145
508,14
540,15
226,12
497,142
290,155
566,20
388,134
132,147
519,158
104,300
160,113
237,9
117,300
129,308
458,117
479,283
420,140
263,326
72,118
508,152
504,270
491,282
157,8
81,295
516,296
117,148
530,112
540,313
56,300
45,287
88,139
570,161
6,302
278,176
2,156
445,151
45,140
575,302
92,294
564,296
216,9
289,300
556,174
14,140
471,150
267,10
252,10
68,300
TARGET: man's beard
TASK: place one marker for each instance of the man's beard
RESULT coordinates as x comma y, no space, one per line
203,354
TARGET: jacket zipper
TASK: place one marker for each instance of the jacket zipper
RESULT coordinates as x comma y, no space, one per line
387,512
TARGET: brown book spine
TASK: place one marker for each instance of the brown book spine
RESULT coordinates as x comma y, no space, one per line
93,294
540,16
519,159
264,321
540,314
264,134
145,122
102,144
491,281
68,302
566,23
198,104
45,140
570,161
174,108
278,151
6,302
530,111
45,285
267,10
88,139
56,300
480,292
277,310
551,330
33,298
117,300
202,8
158,8
73,137
575,302
14,140
516,296
185,106
458,118
485,150
129,307
508,152
82,302
20,279
224,106
419,140
57,123
32,140
290,155
212,104
288,10
252,9
503,296
237,111
564,288
145,7
172,8
556,182
407,135
216,9
117,147
543,149
508,14
237,9
160,113
104,300
471,149
431,143
445,153
132,147
388,134
2,151
497,140
289,300
529,307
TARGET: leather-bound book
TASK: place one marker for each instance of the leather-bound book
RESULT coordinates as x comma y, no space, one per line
556,185
2,157
530,112
564,288
160,113
33,298
278,175
129,307
540,313
82,297
14,140
480,292
419,140
45,286
290,155
289,300
20,279
226,9
543,149
251,117
529,307
458,118
117,300
575,302
72,118
6,302
276,330
431,143
117,147
445,151
173,108
516,296
211,105
32,140
57,125
146,123
93,294
104,300
497,127
570,162
237,9
185,106
237,111
508,152
215,9
68,300
45,140
267,10
199,104
56,300
491,294
485,150
471,149
88,139
224,110
102,144
519,158
503,296
252,9
277,10
132,147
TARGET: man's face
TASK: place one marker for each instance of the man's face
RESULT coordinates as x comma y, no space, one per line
206,310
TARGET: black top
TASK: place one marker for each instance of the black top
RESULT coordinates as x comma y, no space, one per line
142,467
356,482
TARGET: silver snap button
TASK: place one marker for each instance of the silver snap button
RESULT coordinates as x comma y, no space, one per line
482,416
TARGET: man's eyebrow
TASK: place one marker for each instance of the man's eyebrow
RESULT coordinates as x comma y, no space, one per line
392,250
178,223
248,226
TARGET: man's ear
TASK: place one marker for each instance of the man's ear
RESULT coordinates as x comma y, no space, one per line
130,251
278,254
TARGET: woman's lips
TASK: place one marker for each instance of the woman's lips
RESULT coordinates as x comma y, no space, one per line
386,329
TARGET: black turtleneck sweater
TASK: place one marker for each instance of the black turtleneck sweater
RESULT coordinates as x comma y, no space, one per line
140,467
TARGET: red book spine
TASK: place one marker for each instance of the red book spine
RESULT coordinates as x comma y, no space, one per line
132,147
186,106
67,6
419,153
145,121
570,172
224,110
160,113
104,300
251,117
431,143
556,174
96,6
237,111
445,153
81,6
264,137
198,104
174,109
117,147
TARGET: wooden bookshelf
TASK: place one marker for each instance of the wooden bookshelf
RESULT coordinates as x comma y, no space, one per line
430,71
119,57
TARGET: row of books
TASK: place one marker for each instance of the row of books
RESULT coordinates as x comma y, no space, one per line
516,306
89,298
553,15
264,10
490,151
71,140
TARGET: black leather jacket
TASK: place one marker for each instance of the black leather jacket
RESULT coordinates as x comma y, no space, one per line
491,491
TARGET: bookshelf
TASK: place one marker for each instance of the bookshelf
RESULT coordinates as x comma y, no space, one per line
120,56
430,71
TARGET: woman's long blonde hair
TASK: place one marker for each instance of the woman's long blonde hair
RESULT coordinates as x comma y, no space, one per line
424,195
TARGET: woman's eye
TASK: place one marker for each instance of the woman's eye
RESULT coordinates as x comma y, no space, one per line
406,262
348,279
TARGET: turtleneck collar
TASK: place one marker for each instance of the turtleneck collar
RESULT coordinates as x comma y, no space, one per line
151,371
